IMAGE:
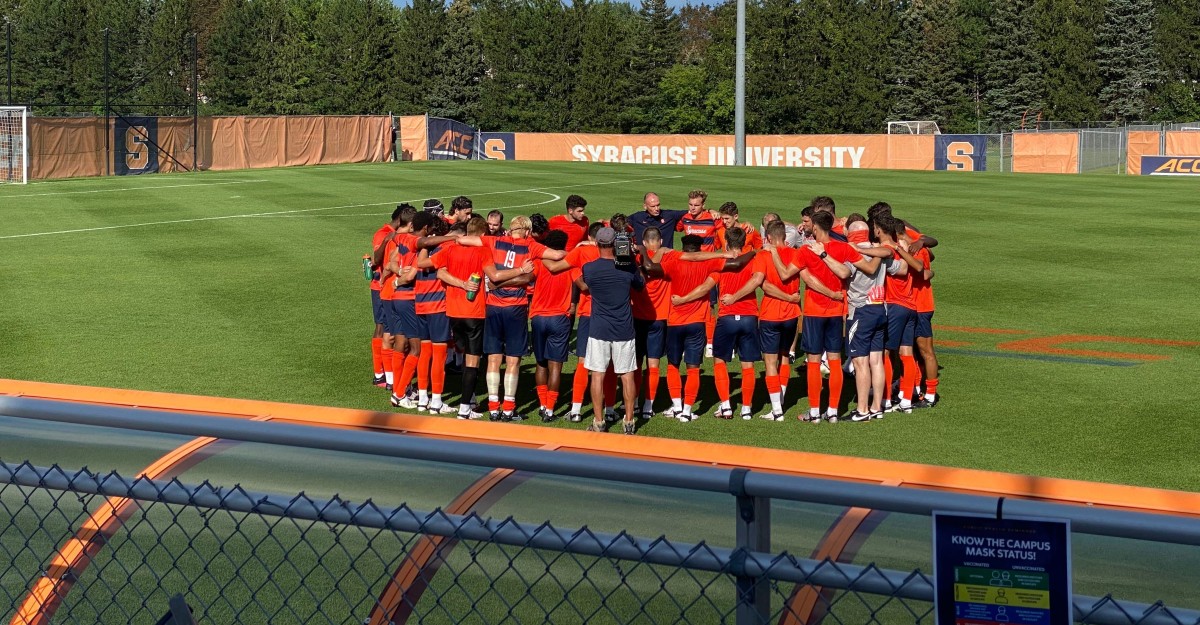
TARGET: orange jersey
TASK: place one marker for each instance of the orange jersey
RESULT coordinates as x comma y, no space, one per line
753,238
773,309
406,245
577,258
685,276
922,288
653,303
376,241
461,262
728,283
816,304
387,289
430,291
707,226
552,297
576,231
898,290
509,253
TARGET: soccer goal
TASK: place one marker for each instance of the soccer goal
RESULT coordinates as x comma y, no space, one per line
913,128
14,145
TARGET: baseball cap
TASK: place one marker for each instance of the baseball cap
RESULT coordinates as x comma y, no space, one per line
606,236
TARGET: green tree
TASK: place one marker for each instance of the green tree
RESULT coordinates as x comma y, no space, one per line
169,56
845,43
928,81
1128,61
1014,70
775,70
658,39
604,83
457,91
422,28
1066,44
352,64
1177,47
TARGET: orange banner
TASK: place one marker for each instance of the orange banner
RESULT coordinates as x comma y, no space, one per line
414,138
1045,152
1183,143
67,147
838,151
1140,143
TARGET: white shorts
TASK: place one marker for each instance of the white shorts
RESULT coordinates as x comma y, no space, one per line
622,355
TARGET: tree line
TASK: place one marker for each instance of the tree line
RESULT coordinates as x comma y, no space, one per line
813,66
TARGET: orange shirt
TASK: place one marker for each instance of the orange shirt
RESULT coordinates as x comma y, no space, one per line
577,258
776,309
685,276
376,241
576,230
753,238
707,226
899,289
430,291
461,262
387,290
552,297
922,288
653,303
406,245
816,304
729,282
509,253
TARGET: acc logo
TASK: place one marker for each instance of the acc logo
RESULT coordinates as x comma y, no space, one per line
1183,166
455,143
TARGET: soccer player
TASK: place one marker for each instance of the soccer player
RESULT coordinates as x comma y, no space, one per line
688,316
867,320
923,334
506,332
432,323
387,256
460,210
382,235
548,315
653,216
737,325
611,337
407,342
651,308
901,309
825,204
462,268
495,220
574,222
584,253
729,221
794,236
701,222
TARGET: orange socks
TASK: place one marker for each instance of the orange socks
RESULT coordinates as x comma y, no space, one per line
377,355
721,377
551,399
652,383
909,379
748,386
693,386
931,389
409,371
835,385
398,382
674,383
814,386
579,385
423,363
437,367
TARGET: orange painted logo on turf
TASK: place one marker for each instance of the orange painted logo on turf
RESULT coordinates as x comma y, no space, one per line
1067,344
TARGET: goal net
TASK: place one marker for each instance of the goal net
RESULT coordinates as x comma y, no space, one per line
913,128
14,152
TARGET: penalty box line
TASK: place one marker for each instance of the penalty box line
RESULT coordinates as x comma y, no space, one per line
310,210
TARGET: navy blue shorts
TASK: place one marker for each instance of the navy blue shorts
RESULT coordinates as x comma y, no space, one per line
822,334
377,307
901,325
866,330
651,338
777,337
740,331
551,337
581,336
433,327
506,331
924,325
391,318
686,344
406,314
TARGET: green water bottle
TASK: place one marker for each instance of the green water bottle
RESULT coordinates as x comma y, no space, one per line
474,279
368,269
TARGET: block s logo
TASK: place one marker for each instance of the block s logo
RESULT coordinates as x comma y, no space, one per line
494,149
135,145
960,156
498,146
136,150
960,152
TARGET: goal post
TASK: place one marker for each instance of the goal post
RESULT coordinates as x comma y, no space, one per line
913,128
14,144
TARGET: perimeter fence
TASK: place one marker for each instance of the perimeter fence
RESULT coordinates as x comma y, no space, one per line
82,546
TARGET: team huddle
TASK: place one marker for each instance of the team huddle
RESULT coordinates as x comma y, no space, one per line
451,289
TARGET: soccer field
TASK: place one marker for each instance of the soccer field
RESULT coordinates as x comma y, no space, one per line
1065,322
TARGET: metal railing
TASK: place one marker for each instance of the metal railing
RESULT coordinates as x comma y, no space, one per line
249,557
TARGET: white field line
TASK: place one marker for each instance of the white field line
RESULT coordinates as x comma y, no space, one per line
308,210
553,198
168,186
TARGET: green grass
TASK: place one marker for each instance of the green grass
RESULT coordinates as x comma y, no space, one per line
207,299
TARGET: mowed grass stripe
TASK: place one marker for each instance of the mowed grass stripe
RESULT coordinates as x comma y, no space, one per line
277,309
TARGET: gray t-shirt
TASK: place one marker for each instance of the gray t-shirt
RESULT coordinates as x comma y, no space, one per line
867,288
793,237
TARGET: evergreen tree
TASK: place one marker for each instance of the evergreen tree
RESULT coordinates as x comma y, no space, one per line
658,40
169,56
457,90
604,84
927,80
422,28
845,88
499,90
1177,46
1127,60
1066,43
1014,70
972,59
234,62
41,50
